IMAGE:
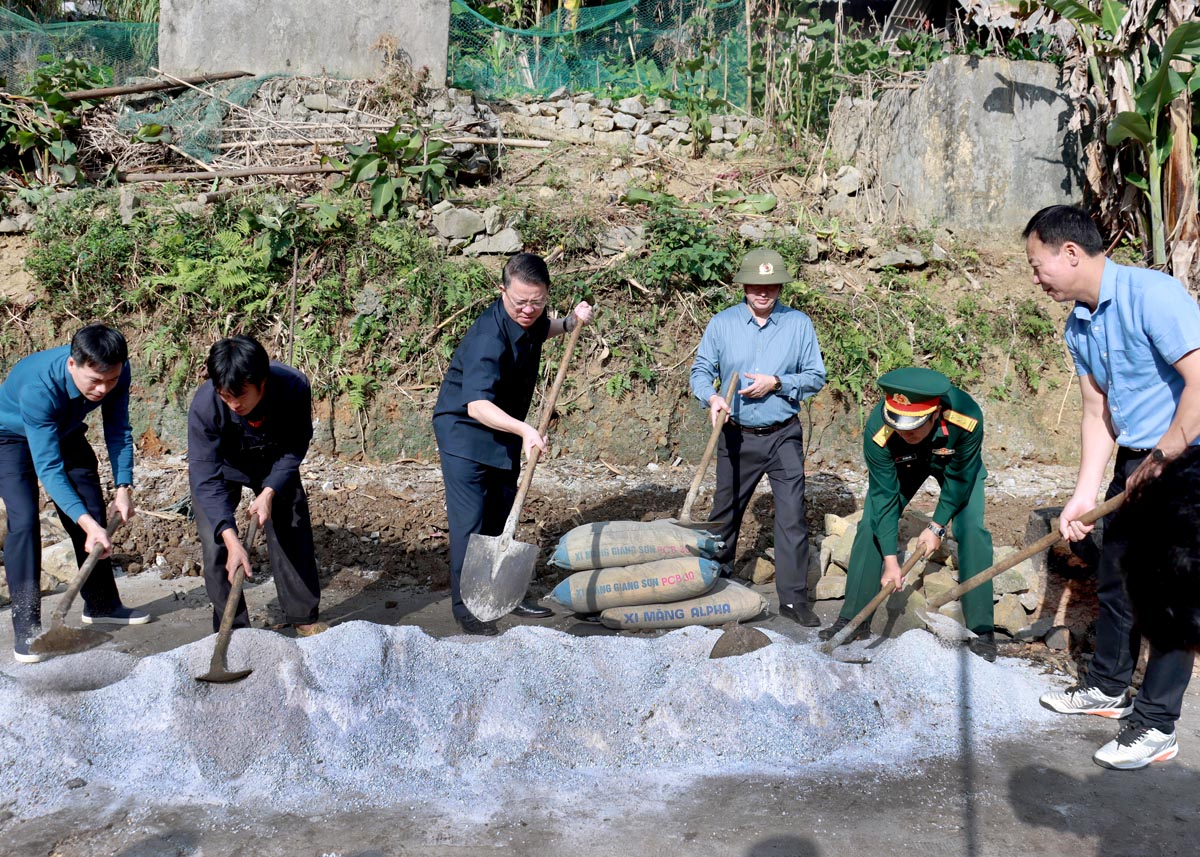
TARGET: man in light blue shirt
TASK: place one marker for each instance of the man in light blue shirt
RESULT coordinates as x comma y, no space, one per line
774,350
1134,335
43,404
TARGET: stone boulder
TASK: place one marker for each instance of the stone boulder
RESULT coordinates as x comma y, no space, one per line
977,147
898,614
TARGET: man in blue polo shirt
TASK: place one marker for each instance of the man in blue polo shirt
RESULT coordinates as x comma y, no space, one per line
43,404
1134,335
479,418
774,350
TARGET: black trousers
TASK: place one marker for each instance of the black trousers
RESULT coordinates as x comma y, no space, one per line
478,500
23,547
742,461
289,546
1160,700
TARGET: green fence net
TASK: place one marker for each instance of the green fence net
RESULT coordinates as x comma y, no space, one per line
613,48
128,49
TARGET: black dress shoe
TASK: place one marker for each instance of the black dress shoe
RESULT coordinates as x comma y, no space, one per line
984,645
528,609
471,625
860,633
801,614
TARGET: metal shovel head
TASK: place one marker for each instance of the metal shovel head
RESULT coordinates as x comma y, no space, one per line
495,575
216,675
63,640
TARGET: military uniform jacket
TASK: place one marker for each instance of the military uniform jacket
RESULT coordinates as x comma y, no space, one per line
952,454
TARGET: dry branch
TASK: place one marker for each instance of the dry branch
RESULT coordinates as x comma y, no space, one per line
155,86
230,174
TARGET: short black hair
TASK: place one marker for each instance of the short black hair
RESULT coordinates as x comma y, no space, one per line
527,267
235,362
99,346
1160,528
1057,224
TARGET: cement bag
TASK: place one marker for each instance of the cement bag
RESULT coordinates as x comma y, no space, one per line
608,544
728,602
649,583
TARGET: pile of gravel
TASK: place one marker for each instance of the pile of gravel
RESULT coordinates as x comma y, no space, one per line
374,715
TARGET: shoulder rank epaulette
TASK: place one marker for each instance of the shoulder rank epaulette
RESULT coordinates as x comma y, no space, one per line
960,420
881,436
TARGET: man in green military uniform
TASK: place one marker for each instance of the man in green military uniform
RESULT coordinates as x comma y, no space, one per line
924,427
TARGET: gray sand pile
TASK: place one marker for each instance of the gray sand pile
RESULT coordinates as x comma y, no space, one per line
368,714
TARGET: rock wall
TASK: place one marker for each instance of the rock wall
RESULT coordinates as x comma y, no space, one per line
325,37
643,125
980,146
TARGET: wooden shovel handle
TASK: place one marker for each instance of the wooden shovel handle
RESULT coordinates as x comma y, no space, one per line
85,571
1048,541
872,605
686,513
510,526
225,633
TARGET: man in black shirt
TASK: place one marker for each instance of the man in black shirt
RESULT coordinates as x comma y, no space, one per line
249,426
480,415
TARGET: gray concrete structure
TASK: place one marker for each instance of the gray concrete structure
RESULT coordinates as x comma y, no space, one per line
979,146
330,37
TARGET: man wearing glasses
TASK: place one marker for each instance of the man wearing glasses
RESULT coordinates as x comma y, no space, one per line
479,419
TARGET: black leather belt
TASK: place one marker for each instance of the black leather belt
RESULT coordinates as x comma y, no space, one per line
759,431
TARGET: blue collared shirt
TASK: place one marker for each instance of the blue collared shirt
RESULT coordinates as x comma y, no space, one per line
40,402
1144,322
786,346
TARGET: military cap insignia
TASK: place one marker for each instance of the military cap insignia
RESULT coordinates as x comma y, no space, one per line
766,268
901,399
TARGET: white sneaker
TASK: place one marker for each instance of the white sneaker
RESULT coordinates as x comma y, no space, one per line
1136,747
1087,700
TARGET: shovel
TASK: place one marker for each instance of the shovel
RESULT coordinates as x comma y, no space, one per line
497,570
59,639
218,670
685,514
873,605
948,629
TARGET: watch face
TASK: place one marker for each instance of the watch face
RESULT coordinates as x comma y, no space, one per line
1158,455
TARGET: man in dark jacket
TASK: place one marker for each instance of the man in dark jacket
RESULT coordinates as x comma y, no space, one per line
249,426
479,418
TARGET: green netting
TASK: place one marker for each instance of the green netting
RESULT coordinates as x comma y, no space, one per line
618,47
128,49
193,120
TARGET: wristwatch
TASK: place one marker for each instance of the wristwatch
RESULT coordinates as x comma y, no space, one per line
778,384
126,485
937,529
1158,455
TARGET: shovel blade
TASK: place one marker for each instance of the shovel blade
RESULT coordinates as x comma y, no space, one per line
495,576
62,640
219,676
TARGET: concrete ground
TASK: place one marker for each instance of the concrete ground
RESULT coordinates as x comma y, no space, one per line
1040,795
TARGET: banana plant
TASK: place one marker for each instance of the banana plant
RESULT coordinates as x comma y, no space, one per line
1149,126
1085,21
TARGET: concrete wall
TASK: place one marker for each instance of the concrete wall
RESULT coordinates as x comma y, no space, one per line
333,37
980,146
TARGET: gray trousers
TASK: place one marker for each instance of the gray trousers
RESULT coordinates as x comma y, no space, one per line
290,548
742,461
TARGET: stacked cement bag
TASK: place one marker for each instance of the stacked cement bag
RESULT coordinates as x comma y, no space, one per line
648,575
1018,592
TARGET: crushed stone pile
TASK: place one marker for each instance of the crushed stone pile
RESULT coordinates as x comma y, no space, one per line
370,715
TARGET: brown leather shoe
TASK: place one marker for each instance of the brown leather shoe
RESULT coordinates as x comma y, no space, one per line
311,630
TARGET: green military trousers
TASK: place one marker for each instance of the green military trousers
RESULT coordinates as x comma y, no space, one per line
974,556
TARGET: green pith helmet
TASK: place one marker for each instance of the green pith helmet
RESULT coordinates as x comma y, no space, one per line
913,395
763,268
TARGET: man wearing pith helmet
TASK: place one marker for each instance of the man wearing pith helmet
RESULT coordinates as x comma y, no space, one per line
924,427
774,350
